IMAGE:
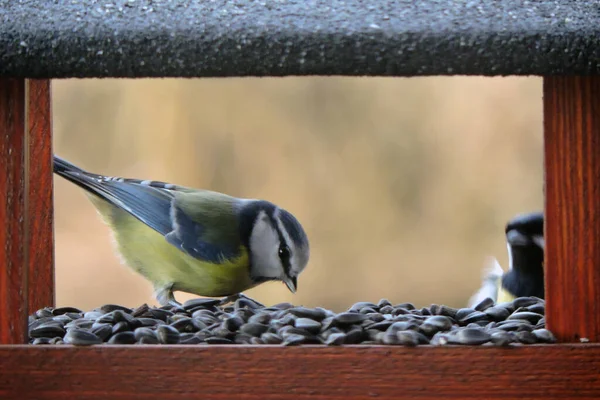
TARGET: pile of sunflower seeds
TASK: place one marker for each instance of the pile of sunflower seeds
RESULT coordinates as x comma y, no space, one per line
205,321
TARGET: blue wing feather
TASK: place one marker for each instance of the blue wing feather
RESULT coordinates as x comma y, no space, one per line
188,236
153,203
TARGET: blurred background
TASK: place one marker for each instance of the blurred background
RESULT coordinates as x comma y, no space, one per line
403,185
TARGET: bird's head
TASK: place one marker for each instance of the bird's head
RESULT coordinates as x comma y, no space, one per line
525,241
278,246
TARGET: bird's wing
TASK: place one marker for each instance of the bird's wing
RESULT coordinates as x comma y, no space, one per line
201,223
205,225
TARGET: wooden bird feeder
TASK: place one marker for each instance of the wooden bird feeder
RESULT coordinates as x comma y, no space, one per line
559,40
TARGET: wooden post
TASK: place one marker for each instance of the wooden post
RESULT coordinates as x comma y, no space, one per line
13,218
572,211
40,201
26,212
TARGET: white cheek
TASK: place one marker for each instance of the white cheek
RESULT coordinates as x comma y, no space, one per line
264,243
510,256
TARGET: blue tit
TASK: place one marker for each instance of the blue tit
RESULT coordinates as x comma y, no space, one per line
525,276
195,241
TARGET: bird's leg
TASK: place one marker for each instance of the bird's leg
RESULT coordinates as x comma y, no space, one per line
165,297
235,297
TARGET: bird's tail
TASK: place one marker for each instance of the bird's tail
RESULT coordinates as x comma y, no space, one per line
492,275
74,174
61,166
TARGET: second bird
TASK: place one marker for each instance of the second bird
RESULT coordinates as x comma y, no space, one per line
195,241
525,276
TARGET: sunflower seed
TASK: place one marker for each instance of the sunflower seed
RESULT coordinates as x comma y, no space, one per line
246,302
63,319
254,329
48,329
356,307
260,318
271,338
233,323
387,309
64,310
122,338
120,327
242,338
544,336
81,337
148,340
440,339
526,315
197,303
469,336
475,316
514,325
103,331
526,337
149,321
217,340
308,324
463,313
497,313
383,303
166,334
389,338
336,339
160,314
484,304
143,332
434,324
184,324
541,324
368,311
44,312
538,308
525,301
501,338
406,306
140,311
294,340
354,336
83,323
312,313
402,326
348,318
108,308
283,306
407,338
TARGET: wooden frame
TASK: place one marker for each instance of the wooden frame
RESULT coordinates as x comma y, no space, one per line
567,370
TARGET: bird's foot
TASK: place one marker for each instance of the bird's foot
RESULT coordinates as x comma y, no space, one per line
165,297
236,297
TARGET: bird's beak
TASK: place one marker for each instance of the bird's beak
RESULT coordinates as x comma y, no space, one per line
516,238
291,282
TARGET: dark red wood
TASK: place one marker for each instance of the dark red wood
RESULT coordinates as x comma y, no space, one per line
572,211
13,274
266,372
40,201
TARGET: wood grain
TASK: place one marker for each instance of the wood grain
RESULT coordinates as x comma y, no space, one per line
13,274
272,372
40,201
572,210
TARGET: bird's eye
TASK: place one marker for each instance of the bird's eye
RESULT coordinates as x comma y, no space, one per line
284,254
